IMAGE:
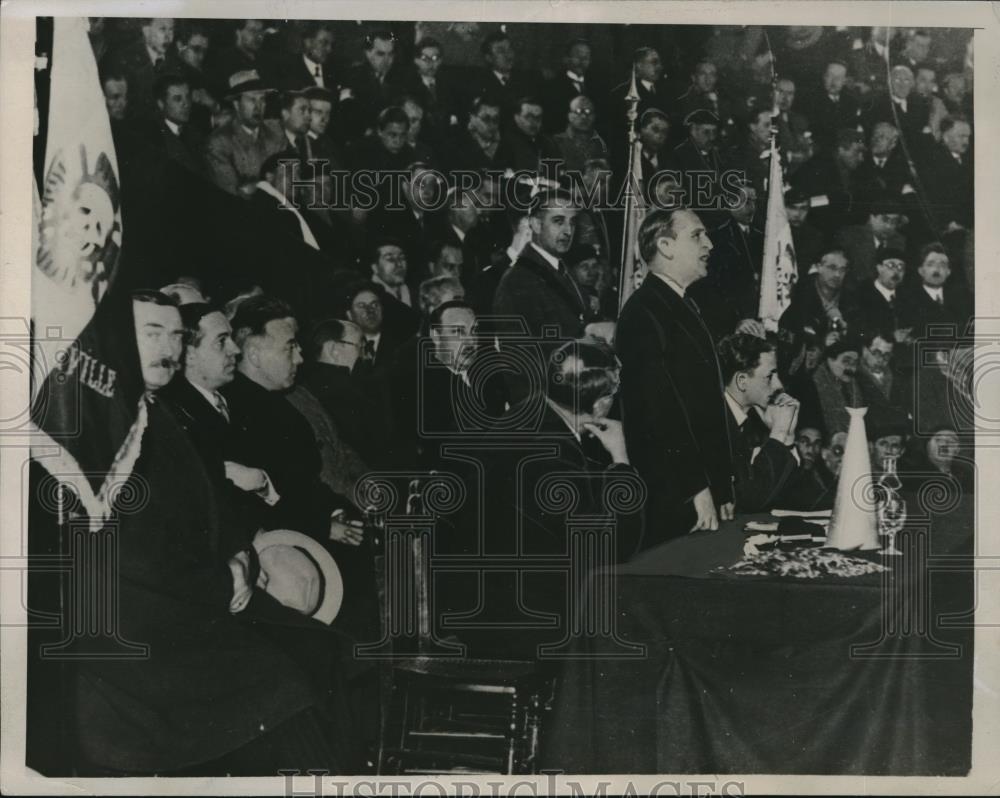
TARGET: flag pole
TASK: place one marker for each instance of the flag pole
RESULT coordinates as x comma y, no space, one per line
778,271
626,278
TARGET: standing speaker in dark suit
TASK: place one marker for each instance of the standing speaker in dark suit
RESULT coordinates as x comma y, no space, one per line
676,426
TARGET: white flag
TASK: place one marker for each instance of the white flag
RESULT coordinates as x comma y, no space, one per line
80,232
779,271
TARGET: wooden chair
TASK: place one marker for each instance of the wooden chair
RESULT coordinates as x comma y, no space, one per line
443,712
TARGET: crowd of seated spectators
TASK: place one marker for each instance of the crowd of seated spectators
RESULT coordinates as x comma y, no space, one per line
430,274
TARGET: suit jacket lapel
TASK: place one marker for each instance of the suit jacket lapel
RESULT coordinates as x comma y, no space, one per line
566,287
678,310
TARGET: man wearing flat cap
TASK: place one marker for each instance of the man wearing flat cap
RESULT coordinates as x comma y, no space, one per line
697,159
236,151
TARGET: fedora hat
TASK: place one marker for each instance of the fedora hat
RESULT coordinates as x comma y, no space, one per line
299,573
246,80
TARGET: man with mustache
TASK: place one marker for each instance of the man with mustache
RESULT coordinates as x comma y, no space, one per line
834,387
216,694
762,420
676,422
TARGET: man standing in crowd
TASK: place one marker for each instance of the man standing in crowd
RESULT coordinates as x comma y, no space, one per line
539,288
676,426
142,62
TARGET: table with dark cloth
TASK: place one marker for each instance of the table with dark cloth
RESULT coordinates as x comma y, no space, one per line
760,674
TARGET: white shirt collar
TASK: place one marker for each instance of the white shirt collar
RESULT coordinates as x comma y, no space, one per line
574,77
290,136
934,292
549,259
504,79
174,127
251,133
879,48
312,66
307,233
153,56
648,84
459,232
566,417
900,103
738,412
889,295
674,286
374,339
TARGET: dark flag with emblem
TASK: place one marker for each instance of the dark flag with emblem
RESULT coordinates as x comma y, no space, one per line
86,387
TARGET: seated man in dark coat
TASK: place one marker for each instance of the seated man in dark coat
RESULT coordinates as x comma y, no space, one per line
948,175
142,62
270,434
181,141
335,349
210,356
875,304
731,291
574,442
831,183
370,85
935,301
213,693
431,387
817,311
811,486
863,243
762,419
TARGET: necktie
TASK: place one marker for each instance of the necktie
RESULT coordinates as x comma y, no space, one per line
939,299
692,305
570,283
302,147
369,350
221,406
317,71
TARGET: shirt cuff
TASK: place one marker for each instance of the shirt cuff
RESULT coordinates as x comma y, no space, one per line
268,493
